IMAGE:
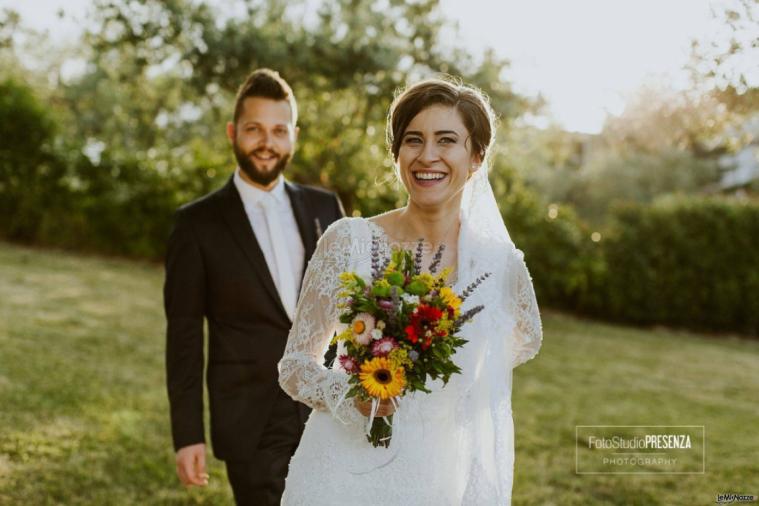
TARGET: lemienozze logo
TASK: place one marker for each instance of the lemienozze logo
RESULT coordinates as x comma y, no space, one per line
640,449
730,498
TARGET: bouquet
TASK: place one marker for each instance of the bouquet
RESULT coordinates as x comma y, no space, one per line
401,330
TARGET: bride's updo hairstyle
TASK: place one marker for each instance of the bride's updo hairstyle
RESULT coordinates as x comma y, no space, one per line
471,103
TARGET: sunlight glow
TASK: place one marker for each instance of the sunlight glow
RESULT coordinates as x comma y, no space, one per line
585,56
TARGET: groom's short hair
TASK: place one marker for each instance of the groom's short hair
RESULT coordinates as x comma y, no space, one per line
265,83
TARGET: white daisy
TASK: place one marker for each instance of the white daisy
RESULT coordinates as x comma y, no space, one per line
362,326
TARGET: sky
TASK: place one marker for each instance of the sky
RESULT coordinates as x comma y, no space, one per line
583,56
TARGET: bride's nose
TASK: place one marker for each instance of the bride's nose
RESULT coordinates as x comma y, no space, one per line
429,153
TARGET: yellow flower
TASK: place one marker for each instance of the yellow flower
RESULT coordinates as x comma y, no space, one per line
345,335
399,358
348,277
425,278
443,276
349,281
451,299
445,324
381,378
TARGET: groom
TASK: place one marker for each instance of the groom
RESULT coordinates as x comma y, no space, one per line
236,257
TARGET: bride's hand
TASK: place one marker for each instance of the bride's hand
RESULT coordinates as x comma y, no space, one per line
385,408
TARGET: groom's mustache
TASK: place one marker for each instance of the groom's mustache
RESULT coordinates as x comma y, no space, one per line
264,153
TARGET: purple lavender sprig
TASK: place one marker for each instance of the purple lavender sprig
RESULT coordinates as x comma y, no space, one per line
392,313
376,269
465,317
383,267
473,286
437,258
418,257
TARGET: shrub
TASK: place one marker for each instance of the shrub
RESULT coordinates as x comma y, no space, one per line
685,261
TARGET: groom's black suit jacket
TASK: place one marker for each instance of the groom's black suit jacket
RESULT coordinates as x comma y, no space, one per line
216,269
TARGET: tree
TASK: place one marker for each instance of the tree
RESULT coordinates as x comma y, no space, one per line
344,67
29,170
140,129
726,62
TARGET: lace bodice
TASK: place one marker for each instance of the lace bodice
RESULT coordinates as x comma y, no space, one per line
342,248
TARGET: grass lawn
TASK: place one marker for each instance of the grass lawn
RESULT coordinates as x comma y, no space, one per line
84,416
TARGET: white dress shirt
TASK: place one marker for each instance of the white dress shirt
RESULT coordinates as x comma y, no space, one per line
251,197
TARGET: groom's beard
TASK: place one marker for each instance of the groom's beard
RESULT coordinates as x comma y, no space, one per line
254,172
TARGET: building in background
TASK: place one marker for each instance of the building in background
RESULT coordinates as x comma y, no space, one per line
741,169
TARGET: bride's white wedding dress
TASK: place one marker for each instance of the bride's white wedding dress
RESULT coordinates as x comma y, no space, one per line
454,446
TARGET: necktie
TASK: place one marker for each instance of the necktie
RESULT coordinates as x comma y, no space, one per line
283,272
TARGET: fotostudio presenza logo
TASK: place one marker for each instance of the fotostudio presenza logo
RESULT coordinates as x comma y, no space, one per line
730,498
655,441
639,449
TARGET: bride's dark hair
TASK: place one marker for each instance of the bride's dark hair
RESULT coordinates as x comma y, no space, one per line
471,103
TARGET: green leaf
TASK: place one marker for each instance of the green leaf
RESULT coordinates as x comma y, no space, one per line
417,288
381,291
395,278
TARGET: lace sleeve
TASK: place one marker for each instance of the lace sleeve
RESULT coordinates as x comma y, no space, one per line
301,373
527,332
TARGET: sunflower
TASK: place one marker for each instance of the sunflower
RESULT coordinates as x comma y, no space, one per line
451,300
381,379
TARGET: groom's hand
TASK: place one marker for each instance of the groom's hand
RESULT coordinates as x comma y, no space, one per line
191,465
385,407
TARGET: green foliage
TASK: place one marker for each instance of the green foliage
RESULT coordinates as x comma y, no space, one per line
681,260
29,170
638,177
566,265
685,261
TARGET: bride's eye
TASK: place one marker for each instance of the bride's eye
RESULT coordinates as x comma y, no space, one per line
412,140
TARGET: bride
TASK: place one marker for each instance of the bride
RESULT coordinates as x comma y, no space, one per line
453,446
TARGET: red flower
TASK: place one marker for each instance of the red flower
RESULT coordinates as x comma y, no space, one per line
424,319
426,315
411,334
349,364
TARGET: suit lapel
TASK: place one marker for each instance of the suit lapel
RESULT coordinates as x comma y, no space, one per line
235,217
307,222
